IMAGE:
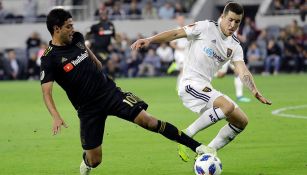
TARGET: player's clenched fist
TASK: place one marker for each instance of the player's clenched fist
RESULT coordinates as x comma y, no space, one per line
140,43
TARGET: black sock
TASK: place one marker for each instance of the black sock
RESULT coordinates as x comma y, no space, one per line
85,160
171,132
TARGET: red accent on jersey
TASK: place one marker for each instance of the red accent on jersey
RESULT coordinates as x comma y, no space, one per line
101,31
68,67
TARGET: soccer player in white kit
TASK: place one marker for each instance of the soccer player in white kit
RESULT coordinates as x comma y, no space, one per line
211,44
179,46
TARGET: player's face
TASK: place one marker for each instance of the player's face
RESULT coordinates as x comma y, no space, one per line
66,32
230,23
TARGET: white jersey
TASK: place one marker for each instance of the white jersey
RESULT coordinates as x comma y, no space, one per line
208,50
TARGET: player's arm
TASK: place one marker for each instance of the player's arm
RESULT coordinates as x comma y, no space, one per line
58,122
159,38
94,58
248,80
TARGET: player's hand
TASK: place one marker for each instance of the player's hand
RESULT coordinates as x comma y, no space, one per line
140,43
262,99
57,124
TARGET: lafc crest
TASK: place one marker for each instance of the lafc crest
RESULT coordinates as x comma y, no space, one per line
229,52
80,45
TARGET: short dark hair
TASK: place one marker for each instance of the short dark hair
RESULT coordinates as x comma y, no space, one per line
57,17
233,7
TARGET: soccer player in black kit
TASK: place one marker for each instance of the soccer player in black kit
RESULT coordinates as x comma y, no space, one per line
74,67
101,35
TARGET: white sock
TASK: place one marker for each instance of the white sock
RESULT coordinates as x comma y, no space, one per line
225,135
208,118
238,86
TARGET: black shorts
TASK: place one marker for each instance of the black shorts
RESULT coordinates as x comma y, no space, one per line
124,105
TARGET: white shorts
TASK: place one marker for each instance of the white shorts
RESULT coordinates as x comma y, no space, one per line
198,98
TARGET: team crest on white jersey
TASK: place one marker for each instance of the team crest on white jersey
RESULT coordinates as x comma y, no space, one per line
207,89
229,52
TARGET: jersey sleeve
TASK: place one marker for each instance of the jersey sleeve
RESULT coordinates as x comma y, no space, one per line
238,54
194,30
46,70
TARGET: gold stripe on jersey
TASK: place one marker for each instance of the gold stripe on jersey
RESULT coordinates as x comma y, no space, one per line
47,51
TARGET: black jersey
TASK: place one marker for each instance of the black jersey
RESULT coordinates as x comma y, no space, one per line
102,34
72,68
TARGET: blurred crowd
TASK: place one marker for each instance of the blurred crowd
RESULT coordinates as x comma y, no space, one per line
116,9
129,9
286,7
288,4
267,51
22,64
138,9
274,49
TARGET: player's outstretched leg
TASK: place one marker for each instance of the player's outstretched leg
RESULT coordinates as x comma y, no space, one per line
183,151
167,130
202,149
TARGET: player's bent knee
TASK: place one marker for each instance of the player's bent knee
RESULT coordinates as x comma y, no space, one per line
225,105
244,122
238,119
228,108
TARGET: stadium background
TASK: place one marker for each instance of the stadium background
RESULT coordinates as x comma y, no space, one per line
264,20
271,144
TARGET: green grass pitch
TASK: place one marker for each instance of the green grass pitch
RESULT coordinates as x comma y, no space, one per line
270,145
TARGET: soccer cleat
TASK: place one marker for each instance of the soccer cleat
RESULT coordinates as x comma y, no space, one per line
243,99
202,149
183,153
172,68
84,169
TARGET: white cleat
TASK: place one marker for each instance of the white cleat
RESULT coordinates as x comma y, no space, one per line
84,169
202,149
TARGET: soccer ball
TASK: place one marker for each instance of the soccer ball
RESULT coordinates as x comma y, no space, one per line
208,164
